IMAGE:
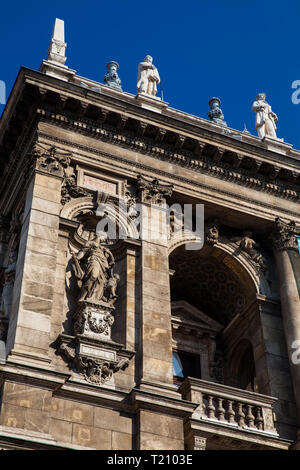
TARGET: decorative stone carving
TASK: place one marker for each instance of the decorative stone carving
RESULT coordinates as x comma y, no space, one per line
152,191
199,443
215,113
265,118
48,160
247,244
221,170
70,189
111,78
93,319
212,231
284,235
93,269
95,370
148,77
91,351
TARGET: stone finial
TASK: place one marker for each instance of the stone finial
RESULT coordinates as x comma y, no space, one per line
215,113
57,46
112,78
245,131
55,63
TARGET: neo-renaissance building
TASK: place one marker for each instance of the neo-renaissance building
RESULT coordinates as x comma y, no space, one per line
140,342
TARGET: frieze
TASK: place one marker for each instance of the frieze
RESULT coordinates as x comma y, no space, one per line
202,162
116,160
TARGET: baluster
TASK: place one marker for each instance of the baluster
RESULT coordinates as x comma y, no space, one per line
240,415
230,412
220,410
259,419
250,417
210,407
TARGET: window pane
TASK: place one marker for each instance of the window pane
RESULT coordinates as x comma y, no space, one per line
177,366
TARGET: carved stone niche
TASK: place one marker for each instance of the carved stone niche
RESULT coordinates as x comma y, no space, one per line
90,351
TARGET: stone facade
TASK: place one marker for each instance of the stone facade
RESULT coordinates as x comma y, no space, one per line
89,325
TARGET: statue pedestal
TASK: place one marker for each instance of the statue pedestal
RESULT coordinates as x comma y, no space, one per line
153,103
91,351
276,145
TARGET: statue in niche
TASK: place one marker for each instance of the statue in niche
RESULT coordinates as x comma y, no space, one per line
215,113
148,77
93,267
265,118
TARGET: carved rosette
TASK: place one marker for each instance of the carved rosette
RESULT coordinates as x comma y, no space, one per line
284,235
152,191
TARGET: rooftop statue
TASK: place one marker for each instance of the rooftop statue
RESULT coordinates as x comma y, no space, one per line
215,113
112,78
148,77
265,118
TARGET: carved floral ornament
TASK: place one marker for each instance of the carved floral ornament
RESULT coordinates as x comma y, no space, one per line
47,160
284,235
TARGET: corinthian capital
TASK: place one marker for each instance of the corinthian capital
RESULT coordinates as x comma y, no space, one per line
284,235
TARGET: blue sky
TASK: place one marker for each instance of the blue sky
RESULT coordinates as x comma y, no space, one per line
231,49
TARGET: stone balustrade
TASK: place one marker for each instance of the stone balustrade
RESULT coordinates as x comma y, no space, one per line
229,406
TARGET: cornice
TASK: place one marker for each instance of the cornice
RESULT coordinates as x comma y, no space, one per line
172,136
115,161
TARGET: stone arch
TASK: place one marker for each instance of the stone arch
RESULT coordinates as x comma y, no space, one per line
254,272
87,205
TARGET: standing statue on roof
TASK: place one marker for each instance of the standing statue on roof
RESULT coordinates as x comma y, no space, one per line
148,77
265,118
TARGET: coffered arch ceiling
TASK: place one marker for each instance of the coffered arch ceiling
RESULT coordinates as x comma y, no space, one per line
212,281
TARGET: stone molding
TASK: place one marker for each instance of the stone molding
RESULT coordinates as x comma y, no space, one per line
152,191
203,162
147,169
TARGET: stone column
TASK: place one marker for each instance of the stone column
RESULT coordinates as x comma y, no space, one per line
30,320
286,255
155,330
